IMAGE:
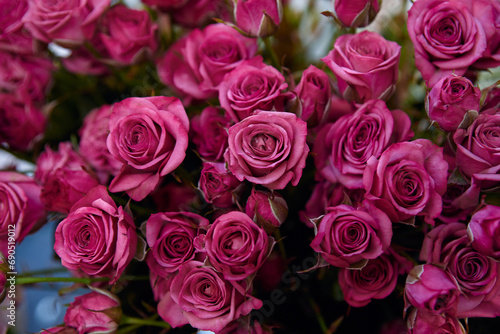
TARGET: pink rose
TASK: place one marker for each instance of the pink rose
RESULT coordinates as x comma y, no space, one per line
209,133
349,237
82,61
97,237
421,321
195,65
149,136
408,180
128,35
13,38
446,36
236,246
450,99
49,161
93,135
171,236
21,123
268,148
484,229
68,23
252,85
487,12
357,13
366,66
268,209
199,13
201,297
59,330
20,206
165,4
258,17
95,312
344,147
219,186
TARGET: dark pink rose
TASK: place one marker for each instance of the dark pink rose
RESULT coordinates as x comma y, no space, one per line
314,92
97,237
93,149
170,235
21,123
421,321
487,12
218,185
198,13
236,246
366,66
201,297
68,23
243,326
357,13
344,147
165,4
49,161
268,148
20,206
450,99
252,85
268,209
82,61
408,180
128,34
431,289
13,38
258,17
175,197
95,312
149,136
209,133
349,237
195,65
484,231
376,280
447,38
492,99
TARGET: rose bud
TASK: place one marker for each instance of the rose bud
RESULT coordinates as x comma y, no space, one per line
268,209
356,13
95,312
450,99
218,185
258,18
431,289
209,133
484,231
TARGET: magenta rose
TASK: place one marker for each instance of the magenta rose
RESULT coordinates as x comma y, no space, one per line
252,85
97,238
450,99
199,13
446,36
268,209
13,38
408,180
165,4
209,133
49,161
93,135
236,246
96,312
82,61
68,23
349,237
202,297
195,65
344,147
218,185
366,66
268,148
171,236
128,34
357,13
484,231
259,18
487,13
20,206
149,136
376,280
421,321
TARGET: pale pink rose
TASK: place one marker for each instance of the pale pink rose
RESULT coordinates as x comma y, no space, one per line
356,13
258,17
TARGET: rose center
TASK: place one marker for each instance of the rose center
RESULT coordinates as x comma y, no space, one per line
263,143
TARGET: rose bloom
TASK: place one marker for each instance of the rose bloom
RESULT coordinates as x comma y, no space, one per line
487,13
446,36
97,238
149,136
171,235
484,231
20,206
13,38
421,321
236,246
357,13
258,18
252,85
450,99
209,133
349,237
218,185
68,23
199,13
201,297
95,312
268,148
408,180
366,66
344,147
195,65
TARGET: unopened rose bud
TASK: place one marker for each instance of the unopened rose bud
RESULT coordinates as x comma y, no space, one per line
356,13
268,209
258,18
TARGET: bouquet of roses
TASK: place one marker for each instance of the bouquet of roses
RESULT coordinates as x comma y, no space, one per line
210,167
